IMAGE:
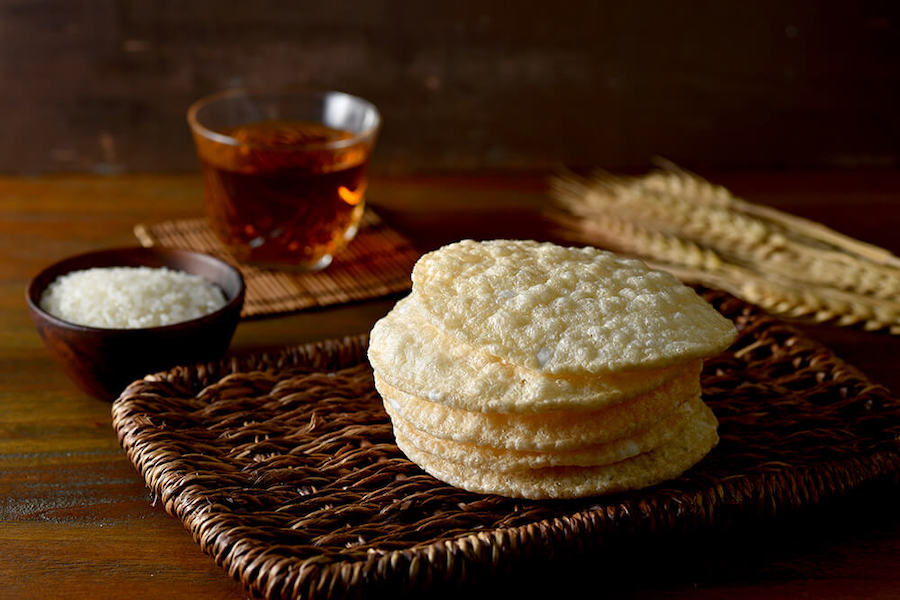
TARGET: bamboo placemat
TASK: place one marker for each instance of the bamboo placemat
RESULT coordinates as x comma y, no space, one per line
376,263
283,467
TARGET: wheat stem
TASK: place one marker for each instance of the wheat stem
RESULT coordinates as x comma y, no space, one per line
702,233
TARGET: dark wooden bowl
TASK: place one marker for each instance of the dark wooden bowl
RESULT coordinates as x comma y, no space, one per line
103,361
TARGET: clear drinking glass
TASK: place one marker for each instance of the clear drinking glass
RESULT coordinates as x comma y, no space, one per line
284,173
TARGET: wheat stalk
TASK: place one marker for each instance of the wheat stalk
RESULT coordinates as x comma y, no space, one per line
701,233
798,225
682,206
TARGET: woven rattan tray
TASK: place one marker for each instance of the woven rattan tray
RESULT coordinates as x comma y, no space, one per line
283,466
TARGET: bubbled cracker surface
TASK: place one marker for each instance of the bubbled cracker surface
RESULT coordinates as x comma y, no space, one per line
565,310
413,355
664,462
558,431
501,459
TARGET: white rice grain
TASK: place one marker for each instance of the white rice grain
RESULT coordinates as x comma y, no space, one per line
130,297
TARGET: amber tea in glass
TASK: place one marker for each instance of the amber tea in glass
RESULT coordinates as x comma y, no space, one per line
284,175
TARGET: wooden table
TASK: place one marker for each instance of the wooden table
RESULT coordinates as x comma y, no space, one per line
76,520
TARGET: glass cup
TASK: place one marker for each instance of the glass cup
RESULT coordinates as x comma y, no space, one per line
284,173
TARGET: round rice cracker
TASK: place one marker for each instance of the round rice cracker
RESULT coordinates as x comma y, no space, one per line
663,463
564,310
549,431
411,354
499,459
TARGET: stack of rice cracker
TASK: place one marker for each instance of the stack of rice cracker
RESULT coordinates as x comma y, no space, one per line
532,370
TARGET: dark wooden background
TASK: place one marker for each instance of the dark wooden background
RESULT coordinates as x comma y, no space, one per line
465,86
102,85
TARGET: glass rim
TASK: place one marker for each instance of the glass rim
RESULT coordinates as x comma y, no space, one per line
224,138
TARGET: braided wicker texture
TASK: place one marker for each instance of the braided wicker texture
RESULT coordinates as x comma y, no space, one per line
283,467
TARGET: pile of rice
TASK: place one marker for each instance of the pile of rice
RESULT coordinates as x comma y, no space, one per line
130,297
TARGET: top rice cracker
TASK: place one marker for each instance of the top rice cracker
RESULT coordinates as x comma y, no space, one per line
565,311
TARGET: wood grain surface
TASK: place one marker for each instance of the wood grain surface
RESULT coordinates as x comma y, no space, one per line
103,85
77,522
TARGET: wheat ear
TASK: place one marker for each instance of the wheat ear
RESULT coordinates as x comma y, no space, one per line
702,233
